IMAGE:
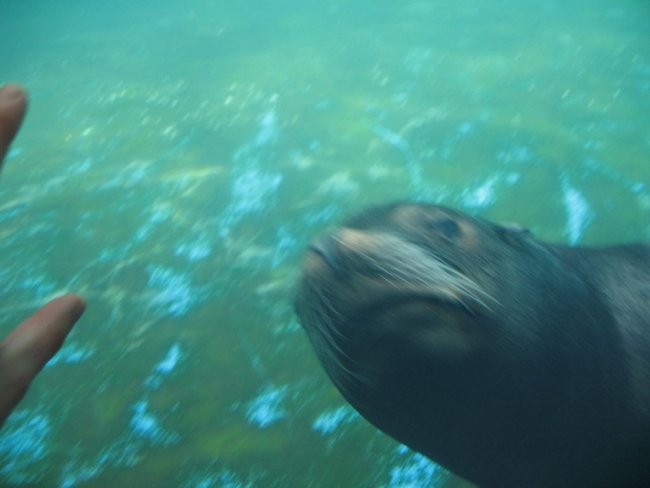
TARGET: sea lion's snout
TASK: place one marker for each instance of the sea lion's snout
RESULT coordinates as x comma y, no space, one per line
327,249
330,251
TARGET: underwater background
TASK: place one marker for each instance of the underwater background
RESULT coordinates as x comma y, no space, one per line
177,157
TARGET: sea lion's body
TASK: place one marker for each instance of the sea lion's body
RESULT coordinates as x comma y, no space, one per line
510,361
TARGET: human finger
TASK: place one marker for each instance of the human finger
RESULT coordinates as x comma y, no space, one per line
13,104
26,350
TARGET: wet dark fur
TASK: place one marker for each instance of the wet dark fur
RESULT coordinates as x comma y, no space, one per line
538,375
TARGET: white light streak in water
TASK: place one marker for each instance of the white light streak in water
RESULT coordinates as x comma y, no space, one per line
223,479
70,353
252,192
23,446
145,425
319,217
194,251
578,212
415,471
482,196
170,361
268,129
173,291
128,450
286,244
165,366
265,410
400,143
330,420
252,188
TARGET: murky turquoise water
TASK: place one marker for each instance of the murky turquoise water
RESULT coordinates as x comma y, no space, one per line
178,156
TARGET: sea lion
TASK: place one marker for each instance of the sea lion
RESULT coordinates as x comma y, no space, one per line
510,361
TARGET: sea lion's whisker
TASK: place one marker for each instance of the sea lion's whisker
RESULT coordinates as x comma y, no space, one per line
326,331
327,344
404,263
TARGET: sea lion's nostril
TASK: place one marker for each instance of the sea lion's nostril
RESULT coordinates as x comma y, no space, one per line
328,248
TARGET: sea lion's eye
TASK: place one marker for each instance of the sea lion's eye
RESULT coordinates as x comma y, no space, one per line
446,227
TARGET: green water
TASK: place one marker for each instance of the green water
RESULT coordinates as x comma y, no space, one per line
178,156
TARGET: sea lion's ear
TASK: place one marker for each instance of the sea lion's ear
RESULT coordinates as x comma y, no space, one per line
512,232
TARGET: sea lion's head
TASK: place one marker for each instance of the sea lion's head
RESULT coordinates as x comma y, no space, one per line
421,277
419,313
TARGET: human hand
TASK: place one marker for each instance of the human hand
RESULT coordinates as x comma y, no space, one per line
30,345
